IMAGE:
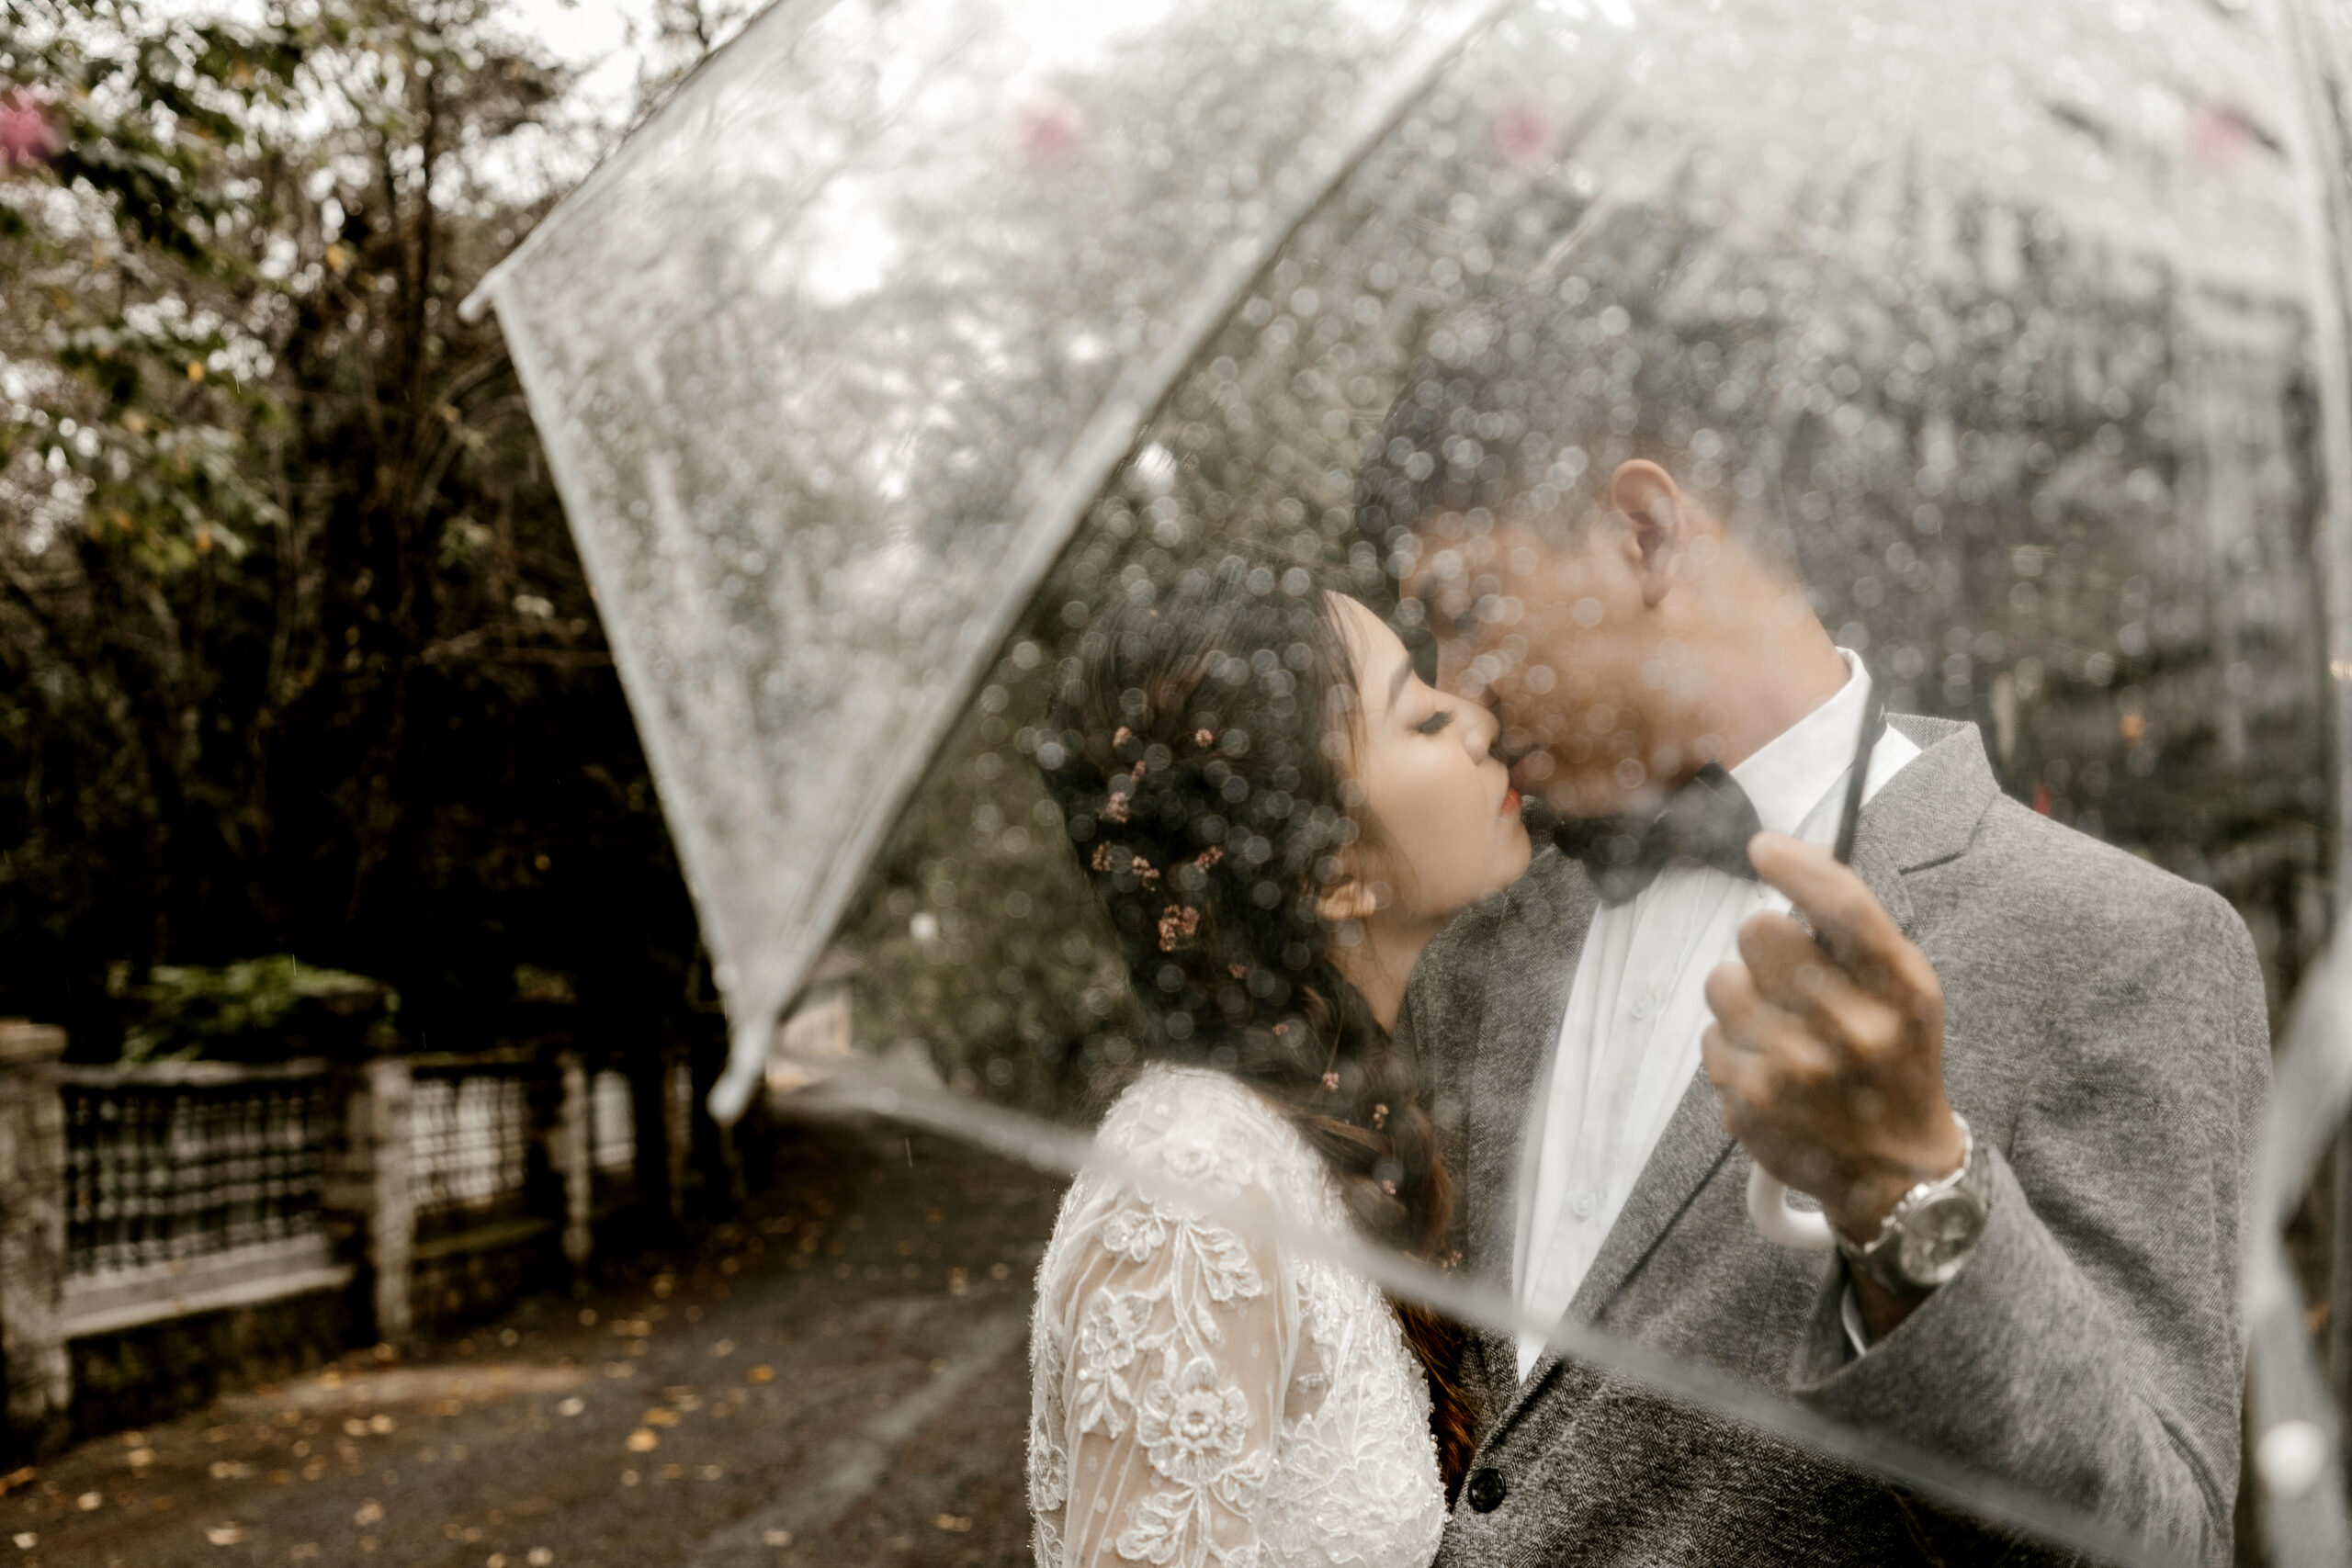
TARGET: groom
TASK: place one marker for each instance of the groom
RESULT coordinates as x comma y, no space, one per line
2019,1069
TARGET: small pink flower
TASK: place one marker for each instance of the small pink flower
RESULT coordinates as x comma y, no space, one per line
2219,136
1331,1080
1050,132
27,137
1524,134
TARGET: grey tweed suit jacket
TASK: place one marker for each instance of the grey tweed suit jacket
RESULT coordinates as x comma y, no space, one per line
2105,1036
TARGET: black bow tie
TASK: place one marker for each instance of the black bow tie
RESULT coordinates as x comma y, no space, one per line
1709,820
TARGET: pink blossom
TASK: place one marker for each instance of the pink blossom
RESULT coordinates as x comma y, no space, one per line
25,136
1523,134
2219,136
1050,130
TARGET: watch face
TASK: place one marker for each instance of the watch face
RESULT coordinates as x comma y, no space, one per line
1938,1236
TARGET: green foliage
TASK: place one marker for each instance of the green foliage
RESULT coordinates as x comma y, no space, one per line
294,648
262,1007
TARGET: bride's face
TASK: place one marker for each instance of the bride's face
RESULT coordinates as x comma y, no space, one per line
1444,829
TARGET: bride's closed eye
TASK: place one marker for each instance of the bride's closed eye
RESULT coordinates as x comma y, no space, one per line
1434,723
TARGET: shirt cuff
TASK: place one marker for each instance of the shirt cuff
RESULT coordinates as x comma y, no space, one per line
1850,1313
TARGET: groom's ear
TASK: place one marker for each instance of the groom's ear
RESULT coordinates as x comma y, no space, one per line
1647,498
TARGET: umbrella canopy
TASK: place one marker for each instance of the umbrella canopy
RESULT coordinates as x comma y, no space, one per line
833,353
833,356
911,337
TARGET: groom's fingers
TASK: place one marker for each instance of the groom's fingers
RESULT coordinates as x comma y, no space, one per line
1766,1088
1739,1075
1732,997
1853,928
1792,974
1776,1042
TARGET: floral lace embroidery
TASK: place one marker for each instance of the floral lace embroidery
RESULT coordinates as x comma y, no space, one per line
1221,1406
1107,1343
1134,1236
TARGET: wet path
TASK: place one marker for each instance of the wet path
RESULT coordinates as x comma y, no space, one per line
839,1378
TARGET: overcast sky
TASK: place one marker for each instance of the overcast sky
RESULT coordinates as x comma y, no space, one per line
592,35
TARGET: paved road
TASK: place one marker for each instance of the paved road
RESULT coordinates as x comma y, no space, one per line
841,1379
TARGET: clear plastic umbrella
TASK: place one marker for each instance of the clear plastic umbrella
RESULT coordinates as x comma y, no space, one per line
909,338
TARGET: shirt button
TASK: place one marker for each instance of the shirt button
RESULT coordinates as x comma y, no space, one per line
1583,1205
1486,1491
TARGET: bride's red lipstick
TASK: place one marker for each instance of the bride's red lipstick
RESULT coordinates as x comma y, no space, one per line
1510,802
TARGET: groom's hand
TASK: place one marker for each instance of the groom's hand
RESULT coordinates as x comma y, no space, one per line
1828,1053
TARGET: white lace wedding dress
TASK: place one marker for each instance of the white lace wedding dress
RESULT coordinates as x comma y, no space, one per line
1200,1396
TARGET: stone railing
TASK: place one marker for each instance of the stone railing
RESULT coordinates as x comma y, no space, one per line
193,1187
134,1196
457,1156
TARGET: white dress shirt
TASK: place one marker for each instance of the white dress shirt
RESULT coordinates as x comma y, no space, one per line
1629,1043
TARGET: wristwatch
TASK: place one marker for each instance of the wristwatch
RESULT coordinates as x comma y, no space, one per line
1931,1230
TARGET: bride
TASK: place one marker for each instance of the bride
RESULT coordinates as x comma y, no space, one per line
1278,815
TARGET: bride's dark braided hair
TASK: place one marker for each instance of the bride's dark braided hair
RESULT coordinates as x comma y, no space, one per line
1198,752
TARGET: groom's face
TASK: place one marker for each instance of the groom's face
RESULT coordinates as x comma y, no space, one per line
1550,629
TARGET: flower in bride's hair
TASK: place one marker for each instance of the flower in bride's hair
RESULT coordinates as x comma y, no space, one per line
1114,810
1203,737
1379,1118
1208,857
1331,1080
1146,873
1177,923
1101,860
1121,735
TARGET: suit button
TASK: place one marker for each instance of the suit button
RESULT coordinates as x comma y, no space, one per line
1485,1493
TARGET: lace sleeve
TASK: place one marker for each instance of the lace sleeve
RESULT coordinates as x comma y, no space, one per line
1165,1346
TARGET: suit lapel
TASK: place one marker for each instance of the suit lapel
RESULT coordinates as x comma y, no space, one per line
1687,1152
1539,947
1544,931
1694,1143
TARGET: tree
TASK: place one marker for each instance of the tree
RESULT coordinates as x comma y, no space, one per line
296,654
